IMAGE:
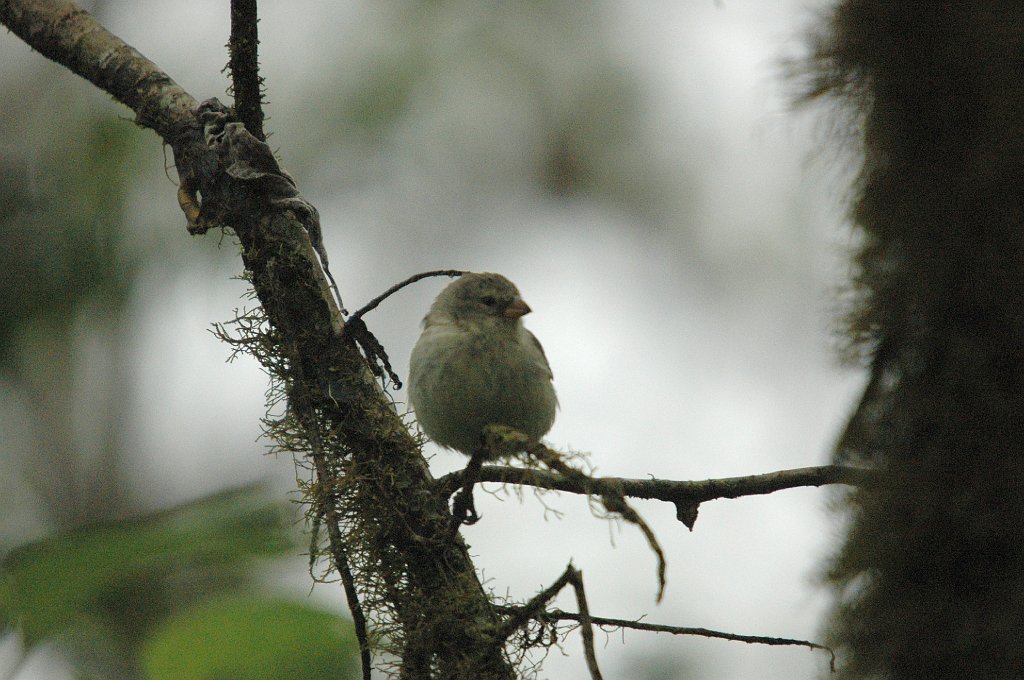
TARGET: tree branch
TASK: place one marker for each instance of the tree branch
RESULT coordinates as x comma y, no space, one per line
246,82
67,34
559,615
686,495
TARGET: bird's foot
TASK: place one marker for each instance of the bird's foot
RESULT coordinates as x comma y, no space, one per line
464,509
463,506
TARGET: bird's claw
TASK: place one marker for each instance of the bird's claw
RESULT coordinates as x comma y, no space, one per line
464,510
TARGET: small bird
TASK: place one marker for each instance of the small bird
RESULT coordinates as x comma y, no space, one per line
475,364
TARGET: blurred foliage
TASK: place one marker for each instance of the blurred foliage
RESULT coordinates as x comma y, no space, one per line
121,575
252,639
491,96
109,590
63,239
101,589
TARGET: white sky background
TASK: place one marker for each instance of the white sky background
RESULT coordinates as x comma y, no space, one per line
683,354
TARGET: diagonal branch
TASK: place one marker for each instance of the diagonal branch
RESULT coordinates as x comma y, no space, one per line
67,34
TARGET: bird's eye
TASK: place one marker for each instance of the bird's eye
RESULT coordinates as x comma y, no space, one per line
489,300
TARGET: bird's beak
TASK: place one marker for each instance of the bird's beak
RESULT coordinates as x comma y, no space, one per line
516,309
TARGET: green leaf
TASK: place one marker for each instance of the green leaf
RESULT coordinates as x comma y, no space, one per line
49,587
247,638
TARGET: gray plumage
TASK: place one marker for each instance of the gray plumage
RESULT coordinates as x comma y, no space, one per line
475,364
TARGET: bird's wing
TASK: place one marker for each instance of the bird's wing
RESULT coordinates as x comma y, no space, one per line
542,358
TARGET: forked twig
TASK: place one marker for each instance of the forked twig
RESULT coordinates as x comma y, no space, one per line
533,609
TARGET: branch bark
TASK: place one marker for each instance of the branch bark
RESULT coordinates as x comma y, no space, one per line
685,495
67,34
246,82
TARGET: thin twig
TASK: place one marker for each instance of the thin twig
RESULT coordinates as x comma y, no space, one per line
560,615
373,351
617,503
586,622
246,83
372,304
336,544
356,608
327,508
533,609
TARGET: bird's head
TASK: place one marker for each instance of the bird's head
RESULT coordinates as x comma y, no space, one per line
480,297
